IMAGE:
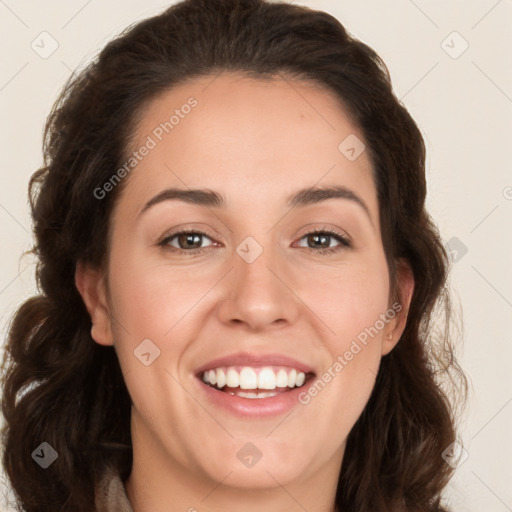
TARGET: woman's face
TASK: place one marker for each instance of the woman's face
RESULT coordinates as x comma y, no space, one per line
251,286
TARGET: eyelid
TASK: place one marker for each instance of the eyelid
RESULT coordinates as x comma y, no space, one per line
191,228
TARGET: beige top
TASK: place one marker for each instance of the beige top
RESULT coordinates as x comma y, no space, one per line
111,494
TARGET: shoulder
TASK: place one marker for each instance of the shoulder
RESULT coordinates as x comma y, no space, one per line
110,493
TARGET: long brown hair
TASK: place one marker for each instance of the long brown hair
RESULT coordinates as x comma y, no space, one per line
61,387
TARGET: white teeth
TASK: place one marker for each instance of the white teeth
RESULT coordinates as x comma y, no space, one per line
249,394
267,379
232,378
246,378
221,378
292,376
282,379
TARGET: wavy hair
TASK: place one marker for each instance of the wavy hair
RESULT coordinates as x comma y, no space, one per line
61,387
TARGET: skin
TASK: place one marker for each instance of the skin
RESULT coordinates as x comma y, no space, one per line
256,142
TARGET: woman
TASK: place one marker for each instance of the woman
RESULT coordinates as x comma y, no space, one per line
237,275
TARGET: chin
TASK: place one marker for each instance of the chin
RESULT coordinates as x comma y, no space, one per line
259,464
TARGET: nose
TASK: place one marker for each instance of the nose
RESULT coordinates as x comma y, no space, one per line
259,294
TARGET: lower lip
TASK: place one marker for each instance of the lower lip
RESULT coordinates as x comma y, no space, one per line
255,407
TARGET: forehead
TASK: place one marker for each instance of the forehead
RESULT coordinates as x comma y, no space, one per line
248,138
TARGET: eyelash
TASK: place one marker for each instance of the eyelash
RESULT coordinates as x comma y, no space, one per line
344,242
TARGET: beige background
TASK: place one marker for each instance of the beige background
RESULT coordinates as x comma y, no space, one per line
463,106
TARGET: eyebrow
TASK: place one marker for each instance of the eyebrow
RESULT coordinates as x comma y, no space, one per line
211,199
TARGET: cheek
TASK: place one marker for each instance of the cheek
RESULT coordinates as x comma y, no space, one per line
352,303
349,298
152,301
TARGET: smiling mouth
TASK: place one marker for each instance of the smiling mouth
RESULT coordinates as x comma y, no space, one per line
255,382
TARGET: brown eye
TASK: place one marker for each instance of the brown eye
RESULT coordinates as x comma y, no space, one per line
320,241
185,241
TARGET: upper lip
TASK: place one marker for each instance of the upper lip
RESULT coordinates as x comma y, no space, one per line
248,359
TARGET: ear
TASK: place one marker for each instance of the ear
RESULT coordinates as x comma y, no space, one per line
396,326
91,285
